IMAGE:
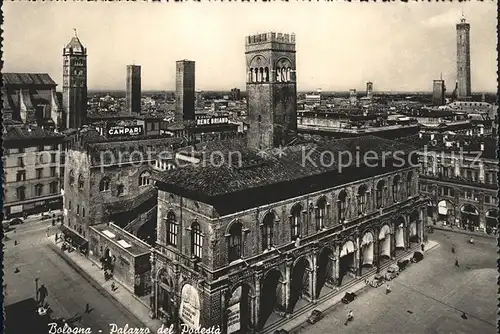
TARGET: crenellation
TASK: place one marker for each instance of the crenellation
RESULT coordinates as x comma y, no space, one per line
270,37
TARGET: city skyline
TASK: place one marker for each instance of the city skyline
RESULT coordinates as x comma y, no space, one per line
331,50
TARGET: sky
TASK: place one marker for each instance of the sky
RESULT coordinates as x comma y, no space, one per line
340,45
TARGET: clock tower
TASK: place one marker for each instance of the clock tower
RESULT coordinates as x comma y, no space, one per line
74,84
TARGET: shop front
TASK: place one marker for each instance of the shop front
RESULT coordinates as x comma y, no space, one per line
73,241
24,209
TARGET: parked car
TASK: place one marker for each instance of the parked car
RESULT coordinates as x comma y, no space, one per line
392,272
348,297
316,315
376,281
403,264
417,257
280,331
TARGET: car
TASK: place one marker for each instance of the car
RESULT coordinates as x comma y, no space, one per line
376,281
417,257
392,272
316,315
348,297
280,331
403,264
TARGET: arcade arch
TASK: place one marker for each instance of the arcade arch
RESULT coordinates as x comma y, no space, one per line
300,282
271,296
347,261
367,251
469,217
384,240
325,267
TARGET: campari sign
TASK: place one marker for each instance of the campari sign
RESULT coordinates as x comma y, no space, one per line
122,131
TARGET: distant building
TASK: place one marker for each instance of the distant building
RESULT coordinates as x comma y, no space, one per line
199,99
369,90
184,90
31,98
463,60
235,94
353,98
133,98
33,170
75,84
438,92
271,89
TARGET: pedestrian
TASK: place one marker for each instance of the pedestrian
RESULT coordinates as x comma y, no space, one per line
47,232
113,286
456,263
16,270
422,247
15,242
453,249
387,289
42,294
464,316
87,308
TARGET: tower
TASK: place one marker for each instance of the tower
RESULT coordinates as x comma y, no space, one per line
133,99
184,90
369,90
353,97
463,59
75,84
272,90
438,91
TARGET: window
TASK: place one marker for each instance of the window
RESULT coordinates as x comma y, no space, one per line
487,199
53,187
320,213
39,173
120,190
71,178
52,171
295,221
40,148
55,147
104,184
196,241
267,231
53,158
395,188
469,175
69,205
80,181
40,159
144,178
341,205
172,229
21,175
235,236
379,196
20,162
83,212
21,149
78,209
362,194
39,190
409,182
20,193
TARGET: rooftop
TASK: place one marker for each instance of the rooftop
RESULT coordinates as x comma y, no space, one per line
125,240
27,79
24,133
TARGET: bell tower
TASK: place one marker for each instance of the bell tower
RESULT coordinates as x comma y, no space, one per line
74,84
272,90
463,60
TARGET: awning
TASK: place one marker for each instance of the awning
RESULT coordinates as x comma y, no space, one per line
383,231
367,239
76,238
347,248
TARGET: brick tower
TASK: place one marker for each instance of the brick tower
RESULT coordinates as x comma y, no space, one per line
271,89
463,60
184,90
75,84
133,97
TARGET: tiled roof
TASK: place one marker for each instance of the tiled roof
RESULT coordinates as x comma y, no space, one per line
257,171
36,79
23,132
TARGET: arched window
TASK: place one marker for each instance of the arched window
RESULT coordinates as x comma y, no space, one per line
266,74
104,184
235,237
261,76
144,178
295,221
283,74
71,178
379,198
196,241
250,74
320,213
53,187
80,181
267,231
396,184
39,190
278,74
120,190
172,229
83,212
341,205
409,184
362,195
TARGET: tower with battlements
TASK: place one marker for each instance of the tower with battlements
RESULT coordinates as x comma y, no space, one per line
463,60
74,84
271,89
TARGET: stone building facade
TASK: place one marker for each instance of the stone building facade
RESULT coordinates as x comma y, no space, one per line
224,244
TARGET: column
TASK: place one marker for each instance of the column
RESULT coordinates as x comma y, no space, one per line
288,275
154,287
406,231
330,279
357,257
420,224
393,245
314,275
256,304
223,309
337,262
377,254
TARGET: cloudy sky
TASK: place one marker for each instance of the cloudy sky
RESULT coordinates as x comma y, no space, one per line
400,47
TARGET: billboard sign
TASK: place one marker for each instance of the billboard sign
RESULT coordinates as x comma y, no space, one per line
121,131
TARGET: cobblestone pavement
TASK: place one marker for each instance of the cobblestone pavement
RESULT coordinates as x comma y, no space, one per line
68,292
430,296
